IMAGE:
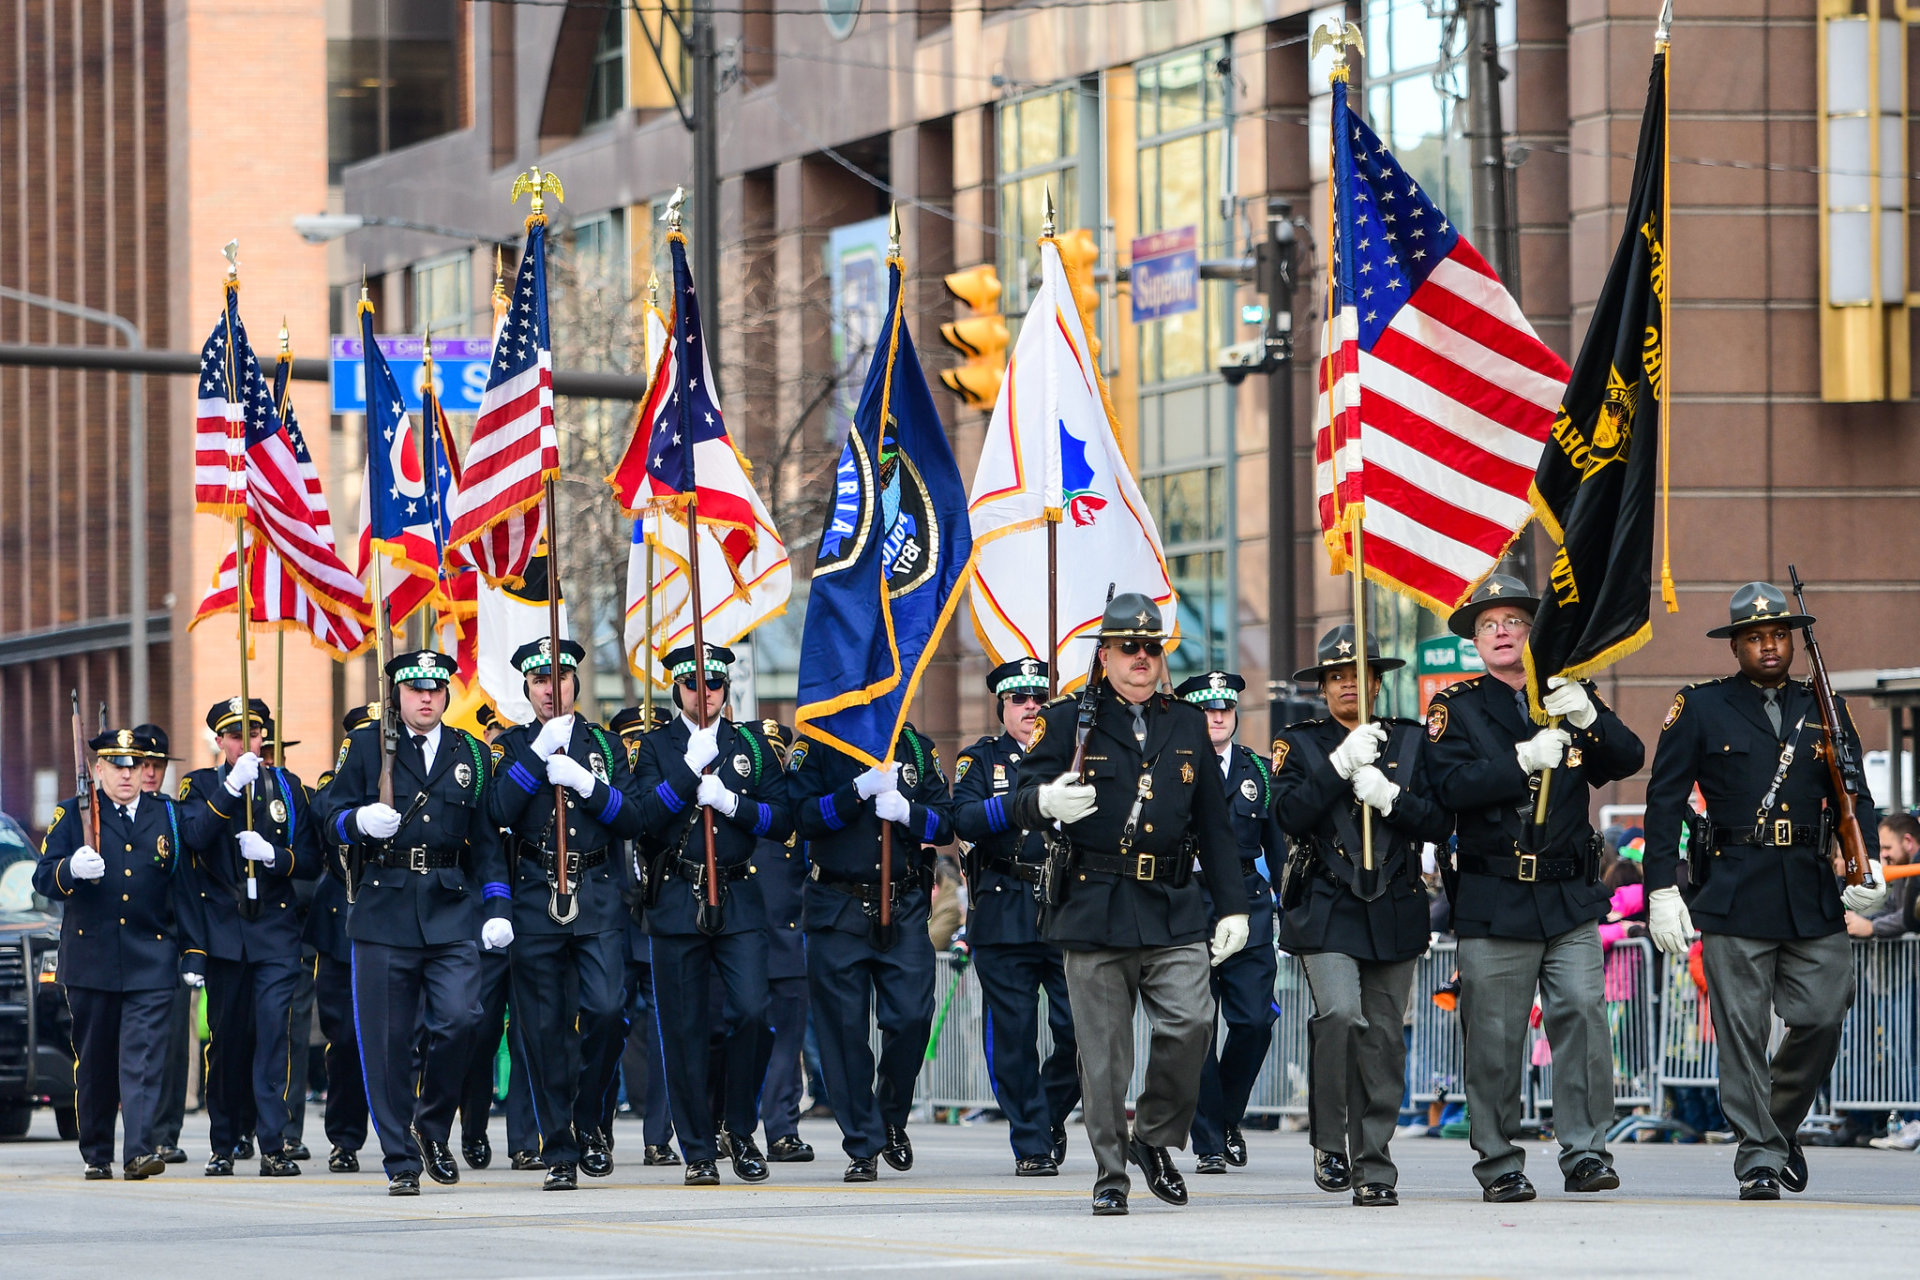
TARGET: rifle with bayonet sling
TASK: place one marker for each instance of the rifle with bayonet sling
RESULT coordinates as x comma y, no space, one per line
1053,874
1843,771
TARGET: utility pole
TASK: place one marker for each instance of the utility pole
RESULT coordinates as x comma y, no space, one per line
1274,266
1487,140
706,176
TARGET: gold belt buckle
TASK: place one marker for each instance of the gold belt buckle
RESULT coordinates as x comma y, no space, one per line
1782,832
1143,867
1529,868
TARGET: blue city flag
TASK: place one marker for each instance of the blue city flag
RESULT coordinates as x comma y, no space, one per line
400,511
896,553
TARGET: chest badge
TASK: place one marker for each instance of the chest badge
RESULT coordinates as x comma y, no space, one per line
278,810
1574,757
742,765
463,774
909,776
999,776
1186,774
162,845
1249,788
598,764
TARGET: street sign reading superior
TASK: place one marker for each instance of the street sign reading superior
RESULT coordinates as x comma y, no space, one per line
1165,275
459,371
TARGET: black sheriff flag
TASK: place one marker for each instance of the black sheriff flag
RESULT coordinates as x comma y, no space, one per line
1594,490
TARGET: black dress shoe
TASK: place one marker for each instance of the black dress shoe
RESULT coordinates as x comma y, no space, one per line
1508,1188
146,1166
560,1177
1059,1136
296,1151
436,1158
659,1155
404,1184
748,1164
1036,1167
899,1151
172,1155
1375,1195
274,1164
861,1169
524,1160
343,1161
478,1152
1212,1162
1236,1147
1157,1163
219,1166
1593,1174
702,1173
790,1150
99,1173
1109,1204
1330,1171
1761,1184
244,1151
1793,1175
596,1157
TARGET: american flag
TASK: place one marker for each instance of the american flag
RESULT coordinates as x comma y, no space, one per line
514,447
278,601
1436,396
219,429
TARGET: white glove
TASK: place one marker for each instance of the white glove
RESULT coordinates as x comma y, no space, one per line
891,806
1370,787
1544,750
713,794
702,746
565,771
1864,901
554,736
875,780
86,864
194,980
376,821
1569,698
496,935
255,847
1067,799
241,774
1362,746
1228,937
1668,921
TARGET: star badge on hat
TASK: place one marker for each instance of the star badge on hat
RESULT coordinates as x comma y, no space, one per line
1345,646
1142,618
1494,588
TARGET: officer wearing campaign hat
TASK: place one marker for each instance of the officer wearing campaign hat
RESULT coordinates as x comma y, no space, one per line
1359,934
565,987
1147,802
1763,894
244,930
1527,897
119,951
727,778
1243,982
430,891
1012,961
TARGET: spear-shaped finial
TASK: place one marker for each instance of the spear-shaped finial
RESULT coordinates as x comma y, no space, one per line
672,213
1666,25
1046,216
653,289
893,230
232,254
286,340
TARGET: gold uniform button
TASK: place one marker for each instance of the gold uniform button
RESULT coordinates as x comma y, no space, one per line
123,919
129,850
572,832
129,871
126,897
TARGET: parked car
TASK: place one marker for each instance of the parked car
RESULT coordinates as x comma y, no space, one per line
36,1029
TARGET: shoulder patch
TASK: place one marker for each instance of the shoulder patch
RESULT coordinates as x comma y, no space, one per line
1280,748
1673,712
499,752
798,756
1039,732
340,761
186,787
59,812
960,769
1436,720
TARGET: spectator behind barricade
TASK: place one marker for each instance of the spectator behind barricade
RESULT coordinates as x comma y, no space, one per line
1899,843
948,911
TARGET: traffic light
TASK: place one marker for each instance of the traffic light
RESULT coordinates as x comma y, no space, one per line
1080,252
982,337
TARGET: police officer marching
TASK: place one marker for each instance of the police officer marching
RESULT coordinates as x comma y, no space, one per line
1012,961
1358,934
1761,890
431,891
1147,800
1243,982
565,989
151,750
687,777
345,1118
119,952
780,868
1527,897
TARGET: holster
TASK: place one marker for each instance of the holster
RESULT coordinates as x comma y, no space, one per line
1295,873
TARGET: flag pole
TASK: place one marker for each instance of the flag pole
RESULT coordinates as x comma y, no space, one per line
1052,516
897,264
382,615
280,635
251,907
646,636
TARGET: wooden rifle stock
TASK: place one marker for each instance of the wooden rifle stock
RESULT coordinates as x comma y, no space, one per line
1841,769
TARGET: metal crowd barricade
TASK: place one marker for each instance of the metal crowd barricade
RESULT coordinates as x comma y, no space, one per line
1879,1064
1435,1060
1632,1008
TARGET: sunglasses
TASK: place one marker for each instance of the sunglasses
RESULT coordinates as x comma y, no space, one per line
693,681
1022,699
1153,648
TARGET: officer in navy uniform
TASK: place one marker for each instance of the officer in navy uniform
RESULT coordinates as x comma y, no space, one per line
432,890
151,750
1147,801
1359,936
248,932
780,867
1768,906
1243,982
119,952
345,1118
857,966
1013,962
565,989
1527,900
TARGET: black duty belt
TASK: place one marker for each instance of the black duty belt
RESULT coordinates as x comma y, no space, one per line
866,891
577,860
696,872
1527,868
1778,834
1026,871
1167,868
419,859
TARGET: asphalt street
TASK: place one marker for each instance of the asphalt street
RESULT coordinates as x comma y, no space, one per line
959,1210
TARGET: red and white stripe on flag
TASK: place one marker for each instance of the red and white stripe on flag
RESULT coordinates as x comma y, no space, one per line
219,435
278,600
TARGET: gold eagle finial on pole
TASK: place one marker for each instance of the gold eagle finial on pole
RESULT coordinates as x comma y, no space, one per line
1340,37
538,184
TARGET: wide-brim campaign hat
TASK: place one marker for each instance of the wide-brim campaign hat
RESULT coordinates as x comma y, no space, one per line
1759,602
1022,674
1132,616
118,746
1336,650
222,716
537,655
1212,690
1499,589
422,664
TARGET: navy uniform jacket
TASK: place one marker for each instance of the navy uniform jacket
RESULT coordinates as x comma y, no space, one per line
1718,735
843,832
1187,798
749,767
521,800
1472,730
401,907
781,871
210,823
1001,910
1316,806
1256,834
117,933
325,929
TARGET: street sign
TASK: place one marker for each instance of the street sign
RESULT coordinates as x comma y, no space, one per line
1444,660
459,371
1165,276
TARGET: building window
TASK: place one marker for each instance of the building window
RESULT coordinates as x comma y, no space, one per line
1047,140
607,82
442,291
396,75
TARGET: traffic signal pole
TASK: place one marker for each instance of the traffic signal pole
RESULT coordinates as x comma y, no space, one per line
706,176
1274,267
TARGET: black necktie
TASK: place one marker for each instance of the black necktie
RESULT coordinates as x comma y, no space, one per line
124,815
420,752
1772,699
